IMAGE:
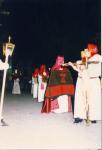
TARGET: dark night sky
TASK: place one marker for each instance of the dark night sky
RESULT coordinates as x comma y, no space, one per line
43,29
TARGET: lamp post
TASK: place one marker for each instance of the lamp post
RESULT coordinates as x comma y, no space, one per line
7,51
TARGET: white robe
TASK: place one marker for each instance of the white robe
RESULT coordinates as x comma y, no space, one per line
63,103
16,87
41,89
34,88
88,91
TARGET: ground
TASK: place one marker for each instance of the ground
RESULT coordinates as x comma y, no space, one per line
28,128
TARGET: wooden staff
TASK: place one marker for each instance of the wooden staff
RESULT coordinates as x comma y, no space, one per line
2,93
67,64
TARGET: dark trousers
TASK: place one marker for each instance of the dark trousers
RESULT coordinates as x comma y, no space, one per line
72,101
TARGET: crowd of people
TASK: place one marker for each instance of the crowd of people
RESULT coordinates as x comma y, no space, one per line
57,92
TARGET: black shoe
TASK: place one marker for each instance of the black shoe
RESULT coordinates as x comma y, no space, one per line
77,120
94,121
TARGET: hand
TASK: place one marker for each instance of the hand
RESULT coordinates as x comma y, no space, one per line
78,62
3,65
70,63
6,65
66,64
44,73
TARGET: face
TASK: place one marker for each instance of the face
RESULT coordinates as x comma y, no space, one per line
87,53
60,60
82,54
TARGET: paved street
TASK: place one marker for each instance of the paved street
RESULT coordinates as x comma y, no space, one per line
29,129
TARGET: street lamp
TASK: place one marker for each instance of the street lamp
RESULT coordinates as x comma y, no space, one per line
8,49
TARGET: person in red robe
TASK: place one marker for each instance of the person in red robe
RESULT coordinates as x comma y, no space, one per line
42,82
60,89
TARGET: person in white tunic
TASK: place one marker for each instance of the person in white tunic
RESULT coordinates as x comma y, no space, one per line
42,82
16,85
88,86
35,83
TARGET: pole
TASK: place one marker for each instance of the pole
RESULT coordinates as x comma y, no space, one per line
87,104
2,94
86,62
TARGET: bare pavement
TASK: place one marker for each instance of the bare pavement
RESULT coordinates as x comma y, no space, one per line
28,128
